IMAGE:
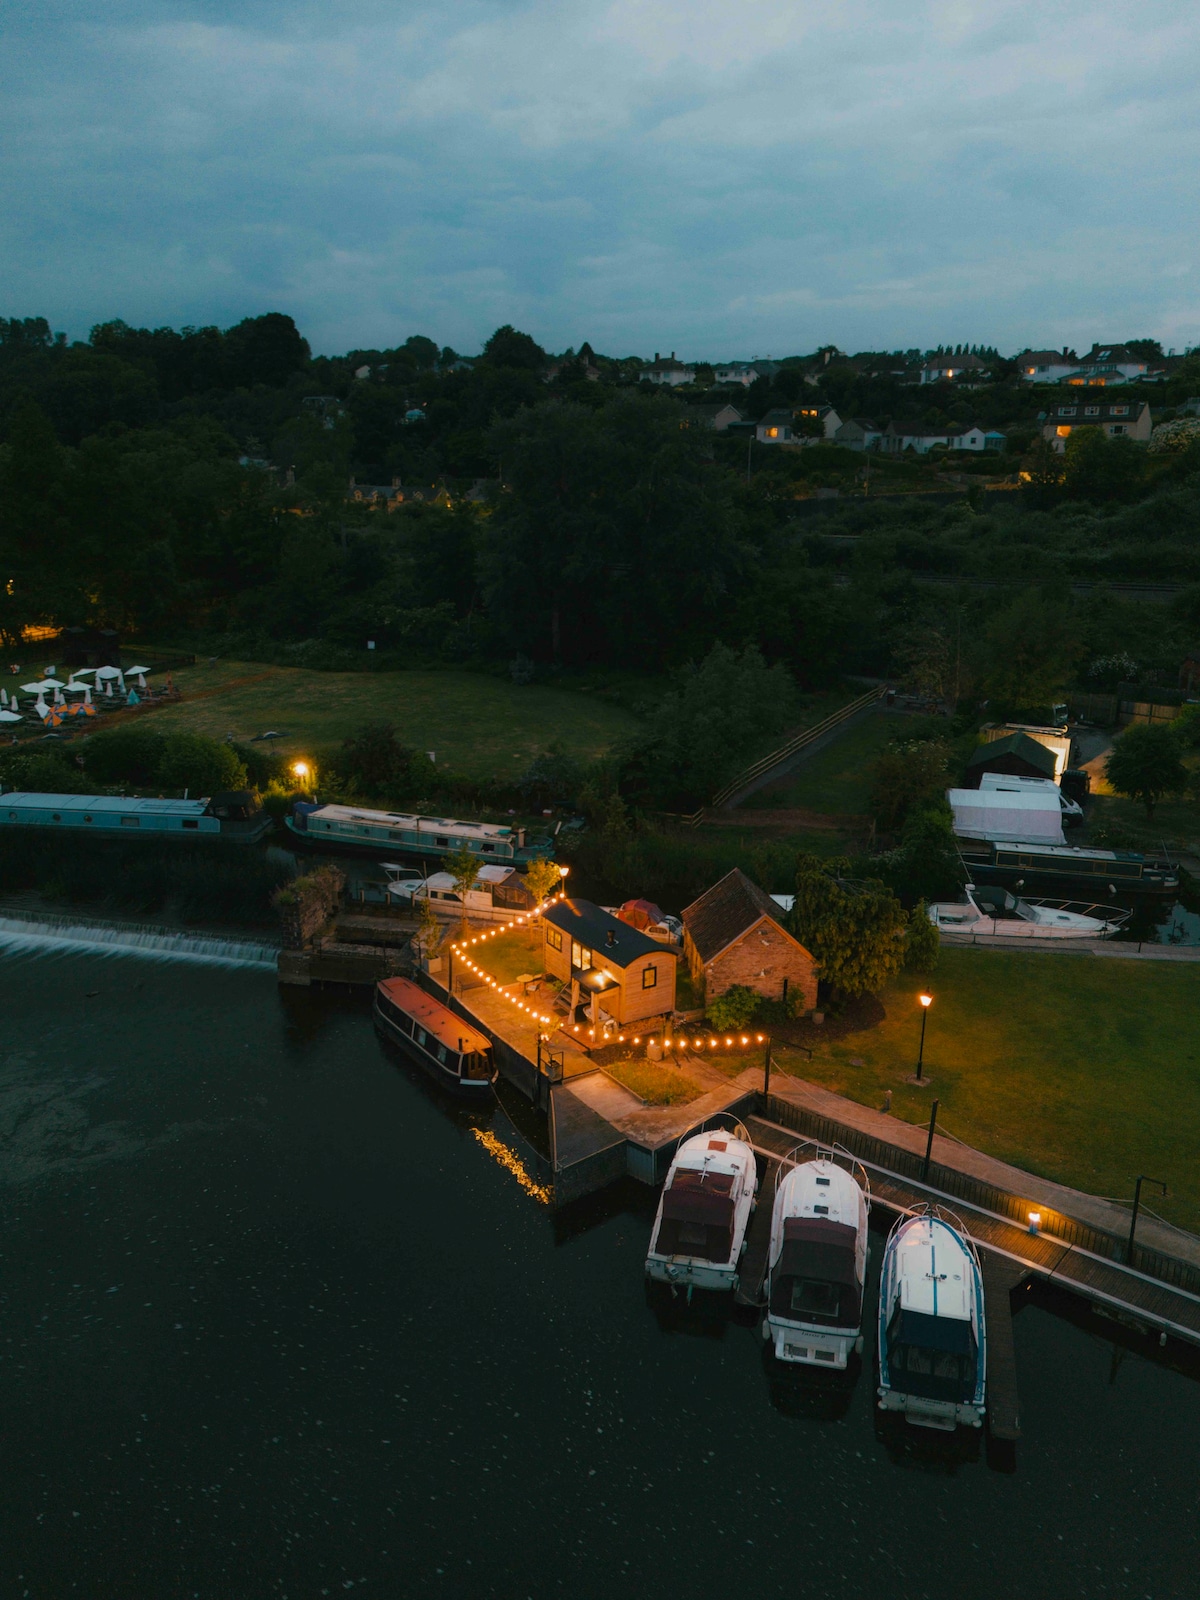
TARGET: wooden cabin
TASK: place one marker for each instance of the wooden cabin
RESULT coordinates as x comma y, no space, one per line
1016,755
630,975
732,935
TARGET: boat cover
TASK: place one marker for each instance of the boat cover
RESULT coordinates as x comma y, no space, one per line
998,815
934,1357
697,1216
815,1279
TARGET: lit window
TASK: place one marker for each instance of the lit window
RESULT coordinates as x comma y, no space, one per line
772,433
649,977
1062,432
1119,411
554,937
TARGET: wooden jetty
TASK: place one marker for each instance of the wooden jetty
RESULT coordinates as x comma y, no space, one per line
1011,1256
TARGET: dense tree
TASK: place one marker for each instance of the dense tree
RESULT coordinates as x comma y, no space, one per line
1145,764
1027,653
854,930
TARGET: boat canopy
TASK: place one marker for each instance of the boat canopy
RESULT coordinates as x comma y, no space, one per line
697,1216
815,1279
933,1357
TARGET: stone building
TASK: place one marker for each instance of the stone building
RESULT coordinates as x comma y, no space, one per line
732,935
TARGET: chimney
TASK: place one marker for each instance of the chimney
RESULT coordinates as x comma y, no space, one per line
610,938
656,358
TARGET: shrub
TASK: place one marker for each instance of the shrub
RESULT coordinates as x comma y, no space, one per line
375,761
42,772
199,765
124,755
734,1008
921,943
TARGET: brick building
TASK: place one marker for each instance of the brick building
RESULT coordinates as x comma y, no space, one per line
731,935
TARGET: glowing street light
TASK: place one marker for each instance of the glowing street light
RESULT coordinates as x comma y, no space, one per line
926,1001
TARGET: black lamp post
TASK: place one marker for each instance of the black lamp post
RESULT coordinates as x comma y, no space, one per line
767,1067
926,1001
1137,1200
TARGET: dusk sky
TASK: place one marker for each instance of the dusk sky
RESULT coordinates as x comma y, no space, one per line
717,179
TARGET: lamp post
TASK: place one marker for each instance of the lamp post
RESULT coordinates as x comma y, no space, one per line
766,1066
1137,1200
926,1001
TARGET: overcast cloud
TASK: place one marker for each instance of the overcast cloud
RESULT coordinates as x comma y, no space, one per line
717,179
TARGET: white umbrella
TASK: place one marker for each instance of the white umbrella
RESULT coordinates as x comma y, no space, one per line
77,688
58,697
108,689
108,672
34,688
10,716
137,672
81,672
52,683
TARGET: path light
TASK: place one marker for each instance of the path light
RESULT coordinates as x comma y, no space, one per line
926,1001
301,769
1035,1221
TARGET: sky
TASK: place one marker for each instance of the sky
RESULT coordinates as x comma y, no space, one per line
720,180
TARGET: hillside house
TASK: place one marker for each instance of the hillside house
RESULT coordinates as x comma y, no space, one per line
1047,366
669,373
744,372
921,437
947,368
625,976
732,935
1117,419
825,416
858,433
775,428
719,418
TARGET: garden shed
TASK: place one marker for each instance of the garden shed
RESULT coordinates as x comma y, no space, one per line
1017,755
731,936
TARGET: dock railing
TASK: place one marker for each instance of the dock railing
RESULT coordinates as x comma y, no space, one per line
987,1196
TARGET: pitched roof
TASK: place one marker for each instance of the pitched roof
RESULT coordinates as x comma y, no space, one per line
612,942
1098,411
1016,744
780,417
725,912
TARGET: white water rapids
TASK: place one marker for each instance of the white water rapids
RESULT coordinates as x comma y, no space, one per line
29,933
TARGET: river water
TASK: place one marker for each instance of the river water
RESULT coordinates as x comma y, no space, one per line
276,1323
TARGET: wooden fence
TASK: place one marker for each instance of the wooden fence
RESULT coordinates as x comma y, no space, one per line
1111,710
806,737
974,1191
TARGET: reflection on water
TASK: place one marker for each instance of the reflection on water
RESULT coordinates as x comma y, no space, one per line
277,1324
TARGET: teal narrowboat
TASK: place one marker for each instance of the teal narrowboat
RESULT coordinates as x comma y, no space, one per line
225,816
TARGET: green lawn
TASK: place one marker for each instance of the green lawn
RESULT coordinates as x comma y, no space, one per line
837,779
480,726
507,956
1084,1070
657,1086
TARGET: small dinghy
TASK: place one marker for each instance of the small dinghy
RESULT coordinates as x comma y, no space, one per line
817,1263
700,1230
932,1344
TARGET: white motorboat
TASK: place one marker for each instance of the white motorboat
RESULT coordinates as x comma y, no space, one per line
817,1263
932,1343
1001,914
700,1230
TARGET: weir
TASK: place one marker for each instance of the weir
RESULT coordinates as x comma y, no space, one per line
27,932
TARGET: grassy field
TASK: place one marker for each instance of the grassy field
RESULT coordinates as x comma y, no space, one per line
1086,1071
657,1086
837,779
477,725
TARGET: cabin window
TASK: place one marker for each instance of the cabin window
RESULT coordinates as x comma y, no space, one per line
441,1053
87,819
131,822
190,822
553,935
421,1037
649,977
581,956
55,816
814,1297
442,844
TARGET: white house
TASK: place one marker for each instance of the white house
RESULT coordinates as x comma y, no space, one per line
817,411
669,372
718,418
774,428
1130,419
743,372
1105,359
917,436
1047,366
858,433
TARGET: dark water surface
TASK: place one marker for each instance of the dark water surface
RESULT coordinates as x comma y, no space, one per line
275,1323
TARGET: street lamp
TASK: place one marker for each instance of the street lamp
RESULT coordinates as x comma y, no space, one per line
926,1001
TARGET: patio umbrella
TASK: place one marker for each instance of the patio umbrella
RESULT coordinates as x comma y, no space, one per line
139,673
51,682
34,688
10,716
108,688
132,698
81,672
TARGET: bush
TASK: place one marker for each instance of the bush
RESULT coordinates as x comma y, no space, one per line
42,771
734,1008
926,865
124,755
374,761
907,775
199,765
921,943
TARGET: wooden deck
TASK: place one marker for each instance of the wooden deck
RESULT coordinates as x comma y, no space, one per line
1143,1301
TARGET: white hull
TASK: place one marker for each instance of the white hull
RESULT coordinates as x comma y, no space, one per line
817,1198
708,1196
1023,919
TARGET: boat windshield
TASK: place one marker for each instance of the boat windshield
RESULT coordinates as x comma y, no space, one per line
697,1216
933,1357
815,1279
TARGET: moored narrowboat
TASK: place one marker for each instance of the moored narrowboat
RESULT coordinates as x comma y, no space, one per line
456,1055
356,830
1015,863
234,816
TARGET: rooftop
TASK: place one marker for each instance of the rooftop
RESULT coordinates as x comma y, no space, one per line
725,912
606,936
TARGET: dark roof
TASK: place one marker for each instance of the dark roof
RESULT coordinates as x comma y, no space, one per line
776,419
725,912
1048,358
1097,411
591,926
1016,744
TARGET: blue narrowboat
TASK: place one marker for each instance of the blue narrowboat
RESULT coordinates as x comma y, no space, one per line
235,815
